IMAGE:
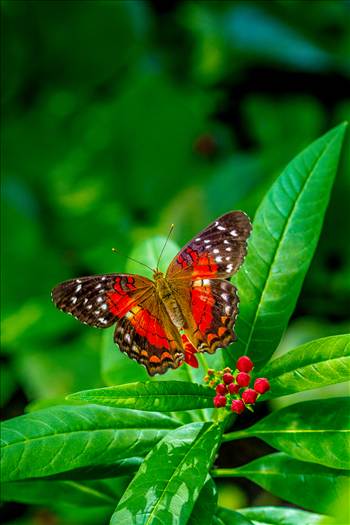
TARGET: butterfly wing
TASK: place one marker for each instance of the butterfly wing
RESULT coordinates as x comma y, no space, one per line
142,330
197,276
218,251
147,336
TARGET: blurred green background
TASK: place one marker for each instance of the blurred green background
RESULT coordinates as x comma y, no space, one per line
121,117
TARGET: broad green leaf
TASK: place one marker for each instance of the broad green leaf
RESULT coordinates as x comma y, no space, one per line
315,364
66,438
308,485
49,492
284,237
225,516
206,504
123,467
170,479
281,516
317,431
164,396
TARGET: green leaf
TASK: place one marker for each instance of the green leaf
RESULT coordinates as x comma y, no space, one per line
315,364
308,485
170,479
164,396
225,516
49,492
317,431
281,516
206,504
285,233
60,439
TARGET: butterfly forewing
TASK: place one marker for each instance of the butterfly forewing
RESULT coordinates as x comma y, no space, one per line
218,251
96,299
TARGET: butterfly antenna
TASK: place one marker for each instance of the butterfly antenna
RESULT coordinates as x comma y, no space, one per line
114,250
166,241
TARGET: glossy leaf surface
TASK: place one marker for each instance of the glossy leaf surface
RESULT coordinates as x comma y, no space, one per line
65,438
317,431
315,364
285,232
295,481
281,516
163,396
170,479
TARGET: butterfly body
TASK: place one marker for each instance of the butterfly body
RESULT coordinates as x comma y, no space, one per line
163,322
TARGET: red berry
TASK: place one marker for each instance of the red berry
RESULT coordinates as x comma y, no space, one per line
228,378
221,389
219,401
237,406
261,385
249,396
244,364
233,389
243,379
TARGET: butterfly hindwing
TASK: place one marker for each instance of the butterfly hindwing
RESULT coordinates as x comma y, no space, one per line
218,251
146,335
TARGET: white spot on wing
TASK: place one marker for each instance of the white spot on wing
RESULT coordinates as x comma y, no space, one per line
206,282
221,228
216,250
206,241
78,281
78,288
102,320
228,249
129,315
226,241
73,299
227,310
225,297
104,306
218,259
98,286
86,300
89,306
198,239
229,267
127,338
234,233
99,299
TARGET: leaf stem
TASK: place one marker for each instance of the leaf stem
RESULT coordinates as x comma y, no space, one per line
225,473
232,436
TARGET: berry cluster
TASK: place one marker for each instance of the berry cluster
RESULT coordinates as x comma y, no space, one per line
229,386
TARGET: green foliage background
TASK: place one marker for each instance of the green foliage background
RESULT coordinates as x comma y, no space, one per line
121,117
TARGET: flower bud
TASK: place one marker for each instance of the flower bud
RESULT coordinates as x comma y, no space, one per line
219,401
210,372
243,379
233,389
221,389
228,378
249,396
228,370
261,385
244,364
237,406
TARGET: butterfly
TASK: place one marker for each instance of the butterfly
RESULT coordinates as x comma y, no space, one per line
165,322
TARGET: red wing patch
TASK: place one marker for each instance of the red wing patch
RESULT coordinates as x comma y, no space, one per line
143,336
98,300
212,311
218,251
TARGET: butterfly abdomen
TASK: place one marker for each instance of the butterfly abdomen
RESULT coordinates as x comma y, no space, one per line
172,307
